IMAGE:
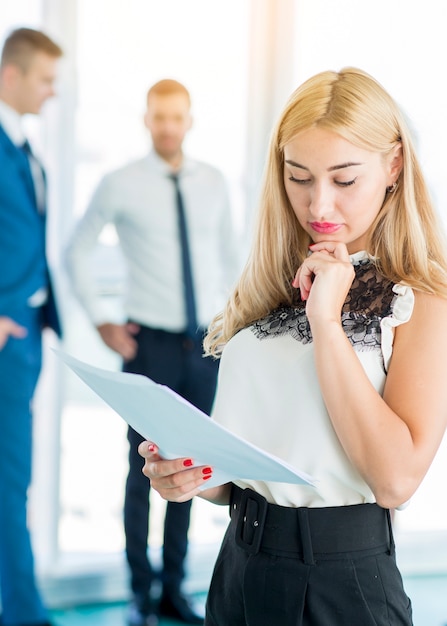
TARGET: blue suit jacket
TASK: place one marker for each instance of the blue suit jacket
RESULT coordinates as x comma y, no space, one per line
23,265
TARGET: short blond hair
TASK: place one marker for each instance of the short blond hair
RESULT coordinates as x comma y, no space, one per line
23,43
168,87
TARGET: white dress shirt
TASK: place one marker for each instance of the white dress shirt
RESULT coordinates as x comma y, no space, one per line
12,124
139,199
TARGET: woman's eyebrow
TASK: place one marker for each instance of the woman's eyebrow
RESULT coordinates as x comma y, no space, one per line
333,168
294,164
343,166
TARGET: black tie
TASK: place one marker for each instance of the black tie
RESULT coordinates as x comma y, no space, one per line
26,148
37,175
188,283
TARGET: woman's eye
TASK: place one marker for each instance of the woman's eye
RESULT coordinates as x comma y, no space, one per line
346,183
300,181
305,181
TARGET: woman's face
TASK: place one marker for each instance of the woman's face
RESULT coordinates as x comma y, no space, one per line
335,188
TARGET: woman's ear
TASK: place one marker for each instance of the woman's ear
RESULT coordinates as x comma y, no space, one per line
395,163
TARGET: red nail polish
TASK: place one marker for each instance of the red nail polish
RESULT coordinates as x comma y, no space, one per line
151,447
187,462
207,470
206,477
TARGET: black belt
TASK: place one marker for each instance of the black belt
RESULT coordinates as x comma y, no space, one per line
308,533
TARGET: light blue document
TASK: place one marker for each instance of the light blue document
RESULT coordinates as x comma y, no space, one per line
181,430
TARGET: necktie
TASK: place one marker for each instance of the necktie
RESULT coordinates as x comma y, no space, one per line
188,283
38,176
39,297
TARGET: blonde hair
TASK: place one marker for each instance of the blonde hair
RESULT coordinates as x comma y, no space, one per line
168,87
405,237
23,43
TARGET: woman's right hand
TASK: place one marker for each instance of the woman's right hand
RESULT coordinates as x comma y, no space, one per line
175,480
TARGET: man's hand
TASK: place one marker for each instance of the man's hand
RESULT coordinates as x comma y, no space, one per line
120,338
9,328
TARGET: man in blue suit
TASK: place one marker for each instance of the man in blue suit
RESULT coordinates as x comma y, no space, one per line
27,73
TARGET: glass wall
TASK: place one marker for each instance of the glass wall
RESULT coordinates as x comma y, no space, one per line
20,13
117,60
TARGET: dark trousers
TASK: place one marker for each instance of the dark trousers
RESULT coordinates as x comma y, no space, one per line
176,361
307,567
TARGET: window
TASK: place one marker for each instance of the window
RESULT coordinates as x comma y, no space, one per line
137,44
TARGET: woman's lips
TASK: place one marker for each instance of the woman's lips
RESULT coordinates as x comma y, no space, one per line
326,228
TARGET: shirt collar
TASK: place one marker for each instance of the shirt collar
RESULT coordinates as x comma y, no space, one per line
12,123
359,257
188,164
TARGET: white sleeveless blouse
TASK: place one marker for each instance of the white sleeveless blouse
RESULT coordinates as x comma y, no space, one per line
268,390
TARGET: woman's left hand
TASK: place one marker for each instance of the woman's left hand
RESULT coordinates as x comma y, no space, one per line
324,280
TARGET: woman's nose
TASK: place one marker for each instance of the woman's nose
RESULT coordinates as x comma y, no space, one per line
321,201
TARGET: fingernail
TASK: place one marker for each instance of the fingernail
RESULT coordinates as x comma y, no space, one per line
151,447
207,470
187,462
206,477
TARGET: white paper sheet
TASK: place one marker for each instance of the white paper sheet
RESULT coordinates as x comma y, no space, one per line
181,430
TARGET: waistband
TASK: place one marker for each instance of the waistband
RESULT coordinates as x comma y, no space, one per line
310,534
201,330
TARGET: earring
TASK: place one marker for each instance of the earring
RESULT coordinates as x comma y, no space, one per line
392,188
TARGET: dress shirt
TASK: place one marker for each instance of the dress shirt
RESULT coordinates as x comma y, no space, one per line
139,199
12,124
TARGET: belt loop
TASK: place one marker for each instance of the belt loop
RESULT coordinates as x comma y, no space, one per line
233,503
308,554
390,532
250,520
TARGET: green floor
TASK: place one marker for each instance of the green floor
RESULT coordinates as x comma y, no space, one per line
105,615
428,594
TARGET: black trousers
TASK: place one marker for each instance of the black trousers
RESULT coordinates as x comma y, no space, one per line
280,566
177,361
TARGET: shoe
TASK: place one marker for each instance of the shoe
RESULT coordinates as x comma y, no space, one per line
178,607
142,612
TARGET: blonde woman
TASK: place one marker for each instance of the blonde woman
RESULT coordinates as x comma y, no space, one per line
333,358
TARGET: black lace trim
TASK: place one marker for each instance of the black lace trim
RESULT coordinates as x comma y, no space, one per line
370,299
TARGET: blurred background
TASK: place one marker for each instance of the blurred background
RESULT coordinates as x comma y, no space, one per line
240,60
